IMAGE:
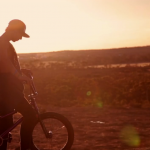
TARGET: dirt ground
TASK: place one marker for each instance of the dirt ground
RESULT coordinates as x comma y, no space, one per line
104,128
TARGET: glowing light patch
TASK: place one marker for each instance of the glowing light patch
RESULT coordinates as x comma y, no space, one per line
89,93
100,104
130,136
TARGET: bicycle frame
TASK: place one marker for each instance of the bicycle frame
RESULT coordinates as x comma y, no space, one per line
32,97
12,127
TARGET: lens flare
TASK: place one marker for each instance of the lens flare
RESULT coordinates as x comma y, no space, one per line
130,136
100,104
89,93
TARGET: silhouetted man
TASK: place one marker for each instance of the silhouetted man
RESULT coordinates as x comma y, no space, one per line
11,85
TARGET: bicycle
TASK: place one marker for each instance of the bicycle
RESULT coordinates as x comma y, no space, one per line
60,138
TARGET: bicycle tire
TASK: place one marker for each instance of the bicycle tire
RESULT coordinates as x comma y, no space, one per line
45,117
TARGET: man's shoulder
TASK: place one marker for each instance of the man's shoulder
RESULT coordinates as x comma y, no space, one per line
3,44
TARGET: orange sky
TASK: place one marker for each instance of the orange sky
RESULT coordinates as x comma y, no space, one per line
79,24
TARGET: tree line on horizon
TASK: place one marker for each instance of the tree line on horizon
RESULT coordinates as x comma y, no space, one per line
81,59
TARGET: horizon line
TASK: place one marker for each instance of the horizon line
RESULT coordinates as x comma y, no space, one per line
87,49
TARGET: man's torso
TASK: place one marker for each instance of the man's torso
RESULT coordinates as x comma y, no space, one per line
11,53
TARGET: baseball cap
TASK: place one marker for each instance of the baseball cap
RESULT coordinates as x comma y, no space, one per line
17,25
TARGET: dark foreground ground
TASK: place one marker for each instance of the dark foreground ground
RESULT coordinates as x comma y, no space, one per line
104,128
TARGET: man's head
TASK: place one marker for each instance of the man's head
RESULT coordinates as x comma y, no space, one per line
16,28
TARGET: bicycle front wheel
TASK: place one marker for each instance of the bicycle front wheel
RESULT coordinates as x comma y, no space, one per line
59,129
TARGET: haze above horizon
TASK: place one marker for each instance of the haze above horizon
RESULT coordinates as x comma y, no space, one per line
78,24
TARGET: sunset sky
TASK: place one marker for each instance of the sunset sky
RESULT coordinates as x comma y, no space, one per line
78,24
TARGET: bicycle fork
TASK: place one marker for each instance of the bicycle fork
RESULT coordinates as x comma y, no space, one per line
48,134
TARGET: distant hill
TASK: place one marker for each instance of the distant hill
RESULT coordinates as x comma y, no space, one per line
124,50
95,56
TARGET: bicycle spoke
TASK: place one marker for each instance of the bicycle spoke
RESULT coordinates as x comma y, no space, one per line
59,133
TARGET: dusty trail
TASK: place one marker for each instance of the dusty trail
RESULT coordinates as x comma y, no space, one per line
105,128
